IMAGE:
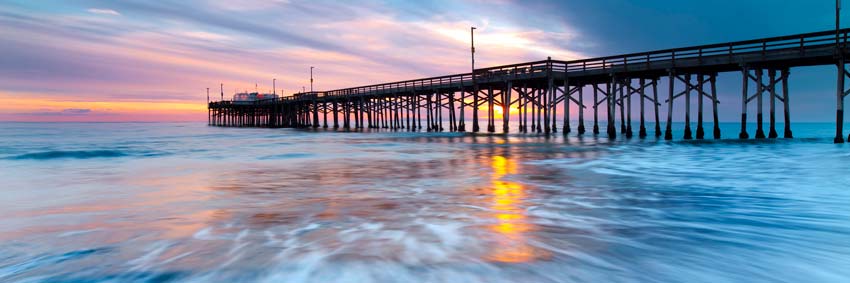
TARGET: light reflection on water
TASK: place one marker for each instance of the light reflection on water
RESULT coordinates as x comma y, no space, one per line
189,203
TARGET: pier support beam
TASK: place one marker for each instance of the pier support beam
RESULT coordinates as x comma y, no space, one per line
581,128
622,103
642,129
566,120
475,127
628,106
336,114
325,114
772,134
668,133
595,110
713,81
744,100
656,105
700,91
786,104
611,96
491,112
506,107
839,104
688,134
759,113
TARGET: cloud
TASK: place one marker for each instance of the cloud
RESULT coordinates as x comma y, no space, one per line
104,12
170,52
63,112
75,111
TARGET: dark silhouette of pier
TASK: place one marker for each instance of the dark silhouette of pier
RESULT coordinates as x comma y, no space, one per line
542,88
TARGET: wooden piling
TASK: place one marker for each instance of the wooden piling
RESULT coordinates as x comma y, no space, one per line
772,134
642,130
744,99
786,104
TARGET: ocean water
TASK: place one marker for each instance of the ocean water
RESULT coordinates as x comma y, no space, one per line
184,202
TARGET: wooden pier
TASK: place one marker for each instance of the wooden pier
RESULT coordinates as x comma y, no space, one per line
540,89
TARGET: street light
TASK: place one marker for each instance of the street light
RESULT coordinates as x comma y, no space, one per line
472,42
474,83
311,78
274,89
208,95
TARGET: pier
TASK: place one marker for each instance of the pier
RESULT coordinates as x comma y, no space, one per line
540,89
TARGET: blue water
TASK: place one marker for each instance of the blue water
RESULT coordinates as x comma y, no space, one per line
183,202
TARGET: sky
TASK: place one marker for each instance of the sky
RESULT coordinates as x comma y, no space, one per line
98,60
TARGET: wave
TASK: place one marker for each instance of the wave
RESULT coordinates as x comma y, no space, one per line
287,156
74,154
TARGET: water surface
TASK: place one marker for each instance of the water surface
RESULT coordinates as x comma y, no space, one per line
183,202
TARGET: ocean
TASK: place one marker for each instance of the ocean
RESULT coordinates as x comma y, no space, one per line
185,202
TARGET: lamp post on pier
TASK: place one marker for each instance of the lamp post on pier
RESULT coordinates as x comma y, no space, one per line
311,78
274,88
474,83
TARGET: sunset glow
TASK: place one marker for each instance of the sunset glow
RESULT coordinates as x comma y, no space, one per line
152,61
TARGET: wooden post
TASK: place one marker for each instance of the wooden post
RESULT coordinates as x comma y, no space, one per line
628,106
325,114
362,111
336,114
759,116
545,105
700,90
506,107
642,130
491,113
621,89
440,110
786,104
525,99
611,97
839,104
430,111
536,112
744,96
356,107
461,127
688,134
452,117
714,102
475,127
531,98
553,105
656,104
567,105
595,110
668,133
772,134
581,128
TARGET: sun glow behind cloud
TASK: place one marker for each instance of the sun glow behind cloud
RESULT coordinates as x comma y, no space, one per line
153,60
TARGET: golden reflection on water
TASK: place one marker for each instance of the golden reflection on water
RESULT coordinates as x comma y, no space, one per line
512,226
